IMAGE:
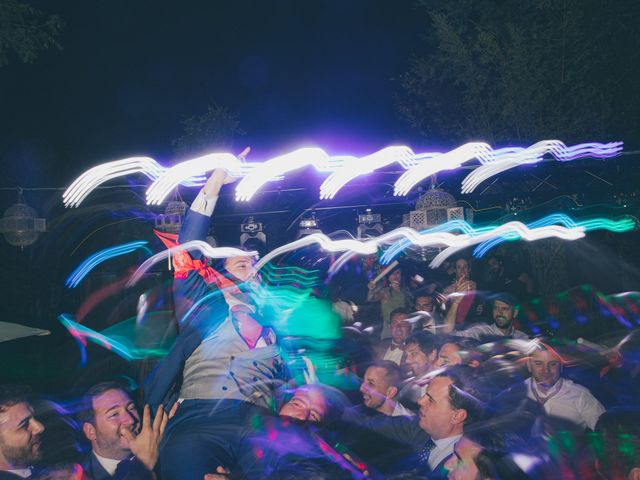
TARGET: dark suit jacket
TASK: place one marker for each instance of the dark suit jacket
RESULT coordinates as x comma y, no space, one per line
8,475
130,469
381,348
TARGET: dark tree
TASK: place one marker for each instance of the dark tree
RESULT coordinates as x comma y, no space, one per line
214,129
507,70
26,31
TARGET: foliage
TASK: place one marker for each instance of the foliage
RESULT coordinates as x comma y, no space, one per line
216,128
507,70
26,31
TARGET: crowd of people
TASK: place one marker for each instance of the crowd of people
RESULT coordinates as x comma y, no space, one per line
450,385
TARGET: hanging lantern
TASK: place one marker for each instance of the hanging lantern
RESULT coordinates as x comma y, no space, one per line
20,225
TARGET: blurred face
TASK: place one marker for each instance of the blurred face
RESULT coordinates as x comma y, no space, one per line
395,277
503,314
424,304
114,413
375,388
307,404
437,417
400,328
494,266
240,267
418,362
462,268
462,464
449,354
19,436
545,367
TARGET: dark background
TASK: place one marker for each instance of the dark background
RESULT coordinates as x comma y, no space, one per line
348,76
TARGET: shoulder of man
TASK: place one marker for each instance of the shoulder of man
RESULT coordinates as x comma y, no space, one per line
4,475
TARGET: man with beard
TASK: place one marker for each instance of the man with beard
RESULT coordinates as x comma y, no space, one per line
122,446
504,312
19,433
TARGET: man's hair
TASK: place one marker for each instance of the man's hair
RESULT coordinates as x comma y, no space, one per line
505,297
426,341
464,392
543,345
399,311
422,293
469,350
11,395
335,400
86,413
392,371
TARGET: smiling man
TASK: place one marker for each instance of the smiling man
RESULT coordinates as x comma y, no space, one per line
559,397
225,363
449,405
379,388
122,445
19,433
504,313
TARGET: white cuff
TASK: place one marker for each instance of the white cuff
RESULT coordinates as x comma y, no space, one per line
204,203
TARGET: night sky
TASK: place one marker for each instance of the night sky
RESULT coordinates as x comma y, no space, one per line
296,73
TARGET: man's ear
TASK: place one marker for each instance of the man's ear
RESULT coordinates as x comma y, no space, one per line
459,416
529,364
89,431
392,392
433,355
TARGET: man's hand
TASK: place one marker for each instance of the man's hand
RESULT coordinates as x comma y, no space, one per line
221,474
145,444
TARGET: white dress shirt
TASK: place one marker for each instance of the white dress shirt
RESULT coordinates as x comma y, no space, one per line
401,411
442,450
572,402
394,355
108,464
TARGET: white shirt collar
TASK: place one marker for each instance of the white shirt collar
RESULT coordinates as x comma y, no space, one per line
442,450
21,472
108,464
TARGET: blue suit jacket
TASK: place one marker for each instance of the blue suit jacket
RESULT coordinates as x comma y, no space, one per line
200,308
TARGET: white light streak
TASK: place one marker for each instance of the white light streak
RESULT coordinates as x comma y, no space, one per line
198,245
342,169
355,167
446,161
177,174
94,177
534,154
510,229
271,169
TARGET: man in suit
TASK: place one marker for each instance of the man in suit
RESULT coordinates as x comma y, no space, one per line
225,363
393,349
450,404
421,352
379,388
122,446
19,433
